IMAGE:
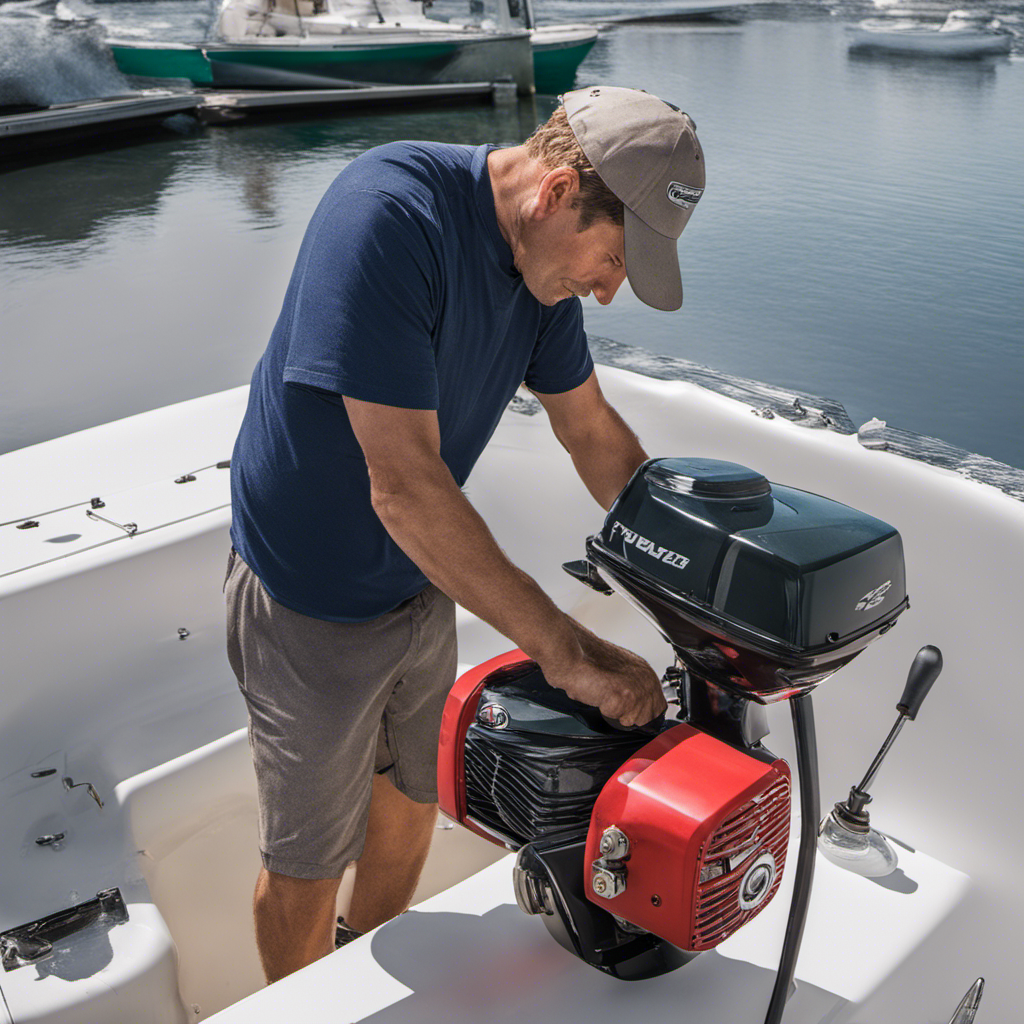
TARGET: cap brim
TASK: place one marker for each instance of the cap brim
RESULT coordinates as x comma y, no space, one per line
652,264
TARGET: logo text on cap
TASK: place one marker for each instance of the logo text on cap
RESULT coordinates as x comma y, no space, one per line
683,195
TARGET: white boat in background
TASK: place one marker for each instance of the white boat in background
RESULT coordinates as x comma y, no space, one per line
287,44
557,49
128,800
962,34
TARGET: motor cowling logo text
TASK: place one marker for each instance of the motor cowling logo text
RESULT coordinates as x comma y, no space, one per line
642,543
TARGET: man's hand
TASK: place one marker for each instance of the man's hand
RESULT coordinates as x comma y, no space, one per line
619,683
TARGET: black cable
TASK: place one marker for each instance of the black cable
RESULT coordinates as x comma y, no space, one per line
810,811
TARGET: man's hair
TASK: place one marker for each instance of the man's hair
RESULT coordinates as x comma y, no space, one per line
555,145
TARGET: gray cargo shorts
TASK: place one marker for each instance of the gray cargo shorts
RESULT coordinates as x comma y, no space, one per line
330,704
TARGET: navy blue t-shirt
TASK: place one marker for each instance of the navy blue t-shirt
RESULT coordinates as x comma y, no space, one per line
403,294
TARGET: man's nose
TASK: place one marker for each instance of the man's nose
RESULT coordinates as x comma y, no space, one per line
608,284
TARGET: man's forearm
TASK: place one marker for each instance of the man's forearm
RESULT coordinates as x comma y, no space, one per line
435,525
607,457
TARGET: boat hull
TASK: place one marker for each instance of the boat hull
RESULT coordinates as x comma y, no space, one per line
162,60
555,54
930,42
115,674
558,51
337,63
326,64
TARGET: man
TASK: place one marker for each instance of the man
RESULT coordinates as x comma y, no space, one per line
433,280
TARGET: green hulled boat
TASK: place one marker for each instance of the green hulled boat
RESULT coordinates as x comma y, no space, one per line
283,44
558,50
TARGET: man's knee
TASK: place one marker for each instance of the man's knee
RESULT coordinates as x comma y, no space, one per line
392,811
273,887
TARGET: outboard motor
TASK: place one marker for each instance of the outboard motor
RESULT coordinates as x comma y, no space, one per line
640,848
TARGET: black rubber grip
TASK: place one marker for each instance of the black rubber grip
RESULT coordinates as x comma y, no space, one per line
923,672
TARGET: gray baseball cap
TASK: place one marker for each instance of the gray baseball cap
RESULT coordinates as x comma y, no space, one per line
646,151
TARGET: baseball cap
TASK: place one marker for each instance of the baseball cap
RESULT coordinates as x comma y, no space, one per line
646,151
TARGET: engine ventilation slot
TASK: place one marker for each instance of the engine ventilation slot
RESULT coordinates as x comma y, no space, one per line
759,827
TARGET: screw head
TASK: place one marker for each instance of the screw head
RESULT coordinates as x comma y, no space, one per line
614,844
608,884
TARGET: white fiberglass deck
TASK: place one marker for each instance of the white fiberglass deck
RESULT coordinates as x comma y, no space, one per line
98,685
470,956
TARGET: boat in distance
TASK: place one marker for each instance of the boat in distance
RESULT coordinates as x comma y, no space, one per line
341,43
964,34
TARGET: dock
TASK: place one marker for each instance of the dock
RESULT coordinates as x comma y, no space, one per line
227,105
65,122
83,120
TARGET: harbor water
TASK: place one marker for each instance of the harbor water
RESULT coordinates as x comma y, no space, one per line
861,236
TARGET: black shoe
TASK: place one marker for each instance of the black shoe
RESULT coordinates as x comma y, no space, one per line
343,934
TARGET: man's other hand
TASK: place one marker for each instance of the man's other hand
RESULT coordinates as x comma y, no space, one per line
619,683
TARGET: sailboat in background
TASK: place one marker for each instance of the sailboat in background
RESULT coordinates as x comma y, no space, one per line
344,43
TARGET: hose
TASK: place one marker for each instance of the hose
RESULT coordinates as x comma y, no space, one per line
810,811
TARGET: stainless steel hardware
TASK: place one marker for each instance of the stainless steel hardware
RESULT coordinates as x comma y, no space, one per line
614,844
608,882
608,872
130,528
70,784
16,951
533,893
34,941
968,1008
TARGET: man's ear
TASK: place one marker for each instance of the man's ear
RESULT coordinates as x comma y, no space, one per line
556,190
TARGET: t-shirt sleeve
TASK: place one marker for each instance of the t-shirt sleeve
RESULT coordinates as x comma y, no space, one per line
363,300
561,359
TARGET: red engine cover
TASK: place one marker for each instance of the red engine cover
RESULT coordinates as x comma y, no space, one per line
707,828
459,711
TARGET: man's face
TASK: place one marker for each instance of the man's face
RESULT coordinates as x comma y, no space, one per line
558,261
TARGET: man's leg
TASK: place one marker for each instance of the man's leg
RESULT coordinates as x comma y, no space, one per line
398,839
295,920
315,693
295,917
403,807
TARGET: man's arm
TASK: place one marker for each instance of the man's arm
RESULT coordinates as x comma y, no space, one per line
604,450
428,516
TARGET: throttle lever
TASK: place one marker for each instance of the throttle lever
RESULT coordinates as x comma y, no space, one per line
845,835
923,672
